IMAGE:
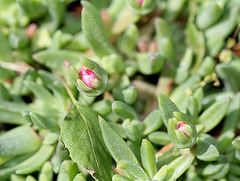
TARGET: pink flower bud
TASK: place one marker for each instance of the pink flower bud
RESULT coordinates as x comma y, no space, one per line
181,127
140,2
87,76
31,29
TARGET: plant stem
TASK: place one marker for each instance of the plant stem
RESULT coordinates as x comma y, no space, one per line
163,150
67,88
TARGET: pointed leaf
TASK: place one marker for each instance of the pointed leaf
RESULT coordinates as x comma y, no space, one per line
115,144
205,149
55,59
178,166
68,171
35,162
95,36
167,107
148,158
214,114
133,169
124,110
161,174
19,141
81,134
152,122
119,177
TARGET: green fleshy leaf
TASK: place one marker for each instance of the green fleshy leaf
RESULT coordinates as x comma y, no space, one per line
119,177
132,131
167,107
46,172
55,59
123,110
159,138
161,174
225,27
236,144
68,171
12,165
20,140
95,35
178,166
214,114
179,96
152,122
17,178
35,162
5,49
115,144
133,169
79,177
80,129
230,75
44,122
148,158
209,15
218,169
205,149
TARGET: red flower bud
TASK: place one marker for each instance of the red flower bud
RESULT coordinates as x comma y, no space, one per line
88,77
181,127
140,2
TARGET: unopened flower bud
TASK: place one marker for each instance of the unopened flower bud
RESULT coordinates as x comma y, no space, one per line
88,77
182,131
91,78
142,7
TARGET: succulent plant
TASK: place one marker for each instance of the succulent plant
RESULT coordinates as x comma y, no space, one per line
119,90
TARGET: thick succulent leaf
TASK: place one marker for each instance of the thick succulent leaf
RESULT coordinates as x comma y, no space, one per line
44,122
5,49
95,35
35,162
148,158
230,124
192,109
10,112
46,172
230,75
236,144
119,177
10,166
152,122
159,138
53,83
161,174
214,114
225,27
218,169
209,15
124,110
115,144
81,134
205,149
19,141
167,107
133,169
178,166
79,177
68,171
179,96
118,129
54,59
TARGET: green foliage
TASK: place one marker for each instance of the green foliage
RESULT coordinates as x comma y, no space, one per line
119,90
